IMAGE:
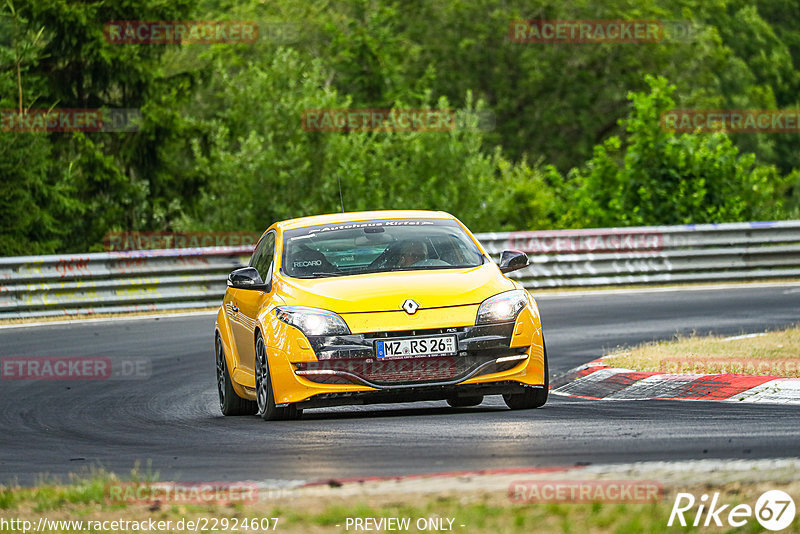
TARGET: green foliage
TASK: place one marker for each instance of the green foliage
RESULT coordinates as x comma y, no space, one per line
67,63
261,165
221,146
28,205
657,177
34,197
526,197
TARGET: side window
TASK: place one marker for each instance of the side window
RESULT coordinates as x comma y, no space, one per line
264,256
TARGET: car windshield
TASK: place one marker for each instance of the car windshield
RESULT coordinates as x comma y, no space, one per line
377,246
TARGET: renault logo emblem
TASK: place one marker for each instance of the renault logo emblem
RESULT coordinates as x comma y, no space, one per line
410,307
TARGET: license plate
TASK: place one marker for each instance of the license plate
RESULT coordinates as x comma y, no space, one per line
417,346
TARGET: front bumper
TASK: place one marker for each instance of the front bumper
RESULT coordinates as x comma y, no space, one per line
351,359
336,370
413,394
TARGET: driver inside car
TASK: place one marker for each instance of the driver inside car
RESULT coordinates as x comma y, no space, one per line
410,252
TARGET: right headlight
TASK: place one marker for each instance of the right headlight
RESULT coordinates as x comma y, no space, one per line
502,308
312,321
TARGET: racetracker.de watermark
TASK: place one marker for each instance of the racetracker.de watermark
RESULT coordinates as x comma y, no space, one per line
731,120
70,120
585,491
420,368
74,368
116,241
593,31
586,241
586,31
180,31
730,366
396,120
179,493
186,32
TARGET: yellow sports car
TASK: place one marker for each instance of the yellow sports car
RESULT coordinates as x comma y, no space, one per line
374,307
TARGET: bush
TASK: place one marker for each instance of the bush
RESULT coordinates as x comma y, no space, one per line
655,177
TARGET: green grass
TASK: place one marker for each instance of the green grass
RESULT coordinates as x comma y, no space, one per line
479,512
773,354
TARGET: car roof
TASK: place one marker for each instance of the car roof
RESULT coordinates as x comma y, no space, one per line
332,218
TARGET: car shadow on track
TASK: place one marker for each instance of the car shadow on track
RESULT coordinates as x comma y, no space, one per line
376,412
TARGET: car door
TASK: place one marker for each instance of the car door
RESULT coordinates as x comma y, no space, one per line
246,305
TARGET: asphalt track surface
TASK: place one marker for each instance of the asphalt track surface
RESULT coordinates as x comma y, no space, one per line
170,423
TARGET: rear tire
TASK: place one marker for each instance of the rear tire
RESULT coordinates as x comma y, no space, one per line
531,397
265,397
229,402
465,402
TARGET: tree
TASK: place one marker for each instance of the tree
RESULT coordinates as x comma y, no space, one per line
261,165
656,177
34,193
117,178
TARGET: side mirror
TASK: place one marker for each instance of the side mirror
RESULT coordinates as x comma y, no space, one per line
247,278
511,260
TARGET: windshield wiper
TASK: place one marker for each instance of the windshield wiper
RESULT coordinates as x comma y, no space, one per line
334,273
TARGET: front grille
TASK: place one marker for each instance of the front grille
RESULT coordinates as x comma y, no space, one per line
472,341
416,370
412,333
404,371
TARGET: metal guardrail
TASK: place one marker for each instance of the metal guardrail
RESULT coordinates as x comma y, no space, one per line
654,254
113,282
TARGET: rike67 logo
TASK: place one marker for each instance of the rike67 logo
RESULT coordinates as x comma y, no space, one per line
774,510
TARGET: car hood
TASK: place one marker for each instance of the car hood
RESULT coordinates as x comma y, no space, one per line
387,291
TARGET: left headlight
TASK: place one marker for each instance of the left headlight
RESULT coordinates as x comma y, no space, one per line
312,321
502,308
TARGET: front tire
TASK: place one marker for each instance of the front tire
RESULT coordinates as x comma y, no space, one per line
531,397
265,397
229,402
